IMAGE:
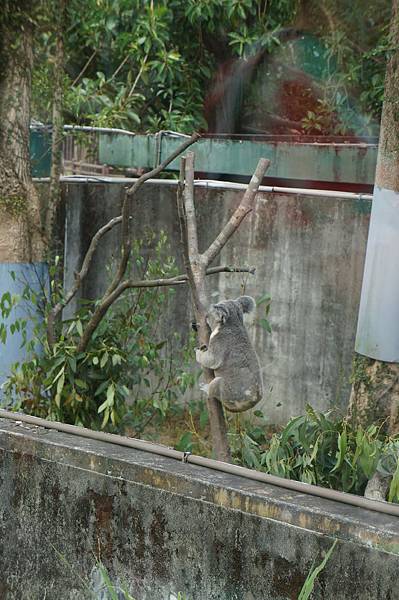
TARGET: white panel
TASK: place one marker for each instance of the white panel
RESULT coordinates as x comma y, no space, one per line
378,325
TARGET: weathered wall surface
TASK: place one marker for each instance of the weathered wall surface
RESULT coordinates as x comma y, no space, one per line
162,526
308,252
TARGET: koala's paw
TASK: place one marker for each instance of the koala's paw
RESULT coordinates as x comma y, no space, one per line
199,352
204,387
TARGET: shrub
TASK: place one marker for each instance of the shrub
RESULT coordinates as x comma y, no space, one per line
129,373
319,449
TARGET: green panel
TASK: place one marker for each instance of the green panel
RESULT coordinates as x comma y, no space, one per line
349,163
40,152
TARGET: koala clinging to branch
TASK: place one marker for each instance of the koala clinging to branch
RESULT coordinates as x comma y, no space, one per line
238,380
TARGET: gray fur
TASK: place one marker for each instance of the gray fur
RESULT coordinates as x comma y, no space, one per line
230,354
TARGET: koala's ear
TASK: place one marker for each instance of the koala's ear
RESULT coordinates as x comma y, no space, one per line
247,303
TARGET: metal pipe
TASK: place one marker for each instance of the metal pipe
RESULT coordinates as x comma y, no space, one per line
108,130
42,126
186,457
97,129
208,183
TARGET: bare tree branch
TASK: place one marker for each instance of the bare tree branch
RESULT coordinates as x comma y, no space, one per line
146,283
151,174
54,198
245,207
181,211
191,222
178,279
84,68
79,276
196,266
103,230
116,283
196,270
126,210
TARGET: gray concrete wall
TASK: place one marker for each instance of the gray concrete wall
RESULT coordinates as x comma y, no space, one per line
308,252
162,526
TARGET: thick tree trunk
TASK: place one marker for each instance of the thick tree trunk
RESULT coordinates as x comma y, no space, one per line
375,391
20,229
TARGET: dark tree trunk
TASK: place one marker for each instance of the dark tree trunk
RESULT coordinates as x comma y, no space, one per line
20,228
375,390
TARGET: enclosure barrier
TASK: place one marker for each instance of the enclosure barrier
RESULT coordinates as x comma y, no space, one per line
163,525
187,457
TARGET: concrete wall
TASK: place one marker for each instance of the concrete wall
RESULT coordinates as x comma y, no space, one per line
162,526
308,252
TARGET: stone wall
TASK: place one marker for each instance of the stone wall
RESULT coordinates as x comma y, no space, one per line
161,526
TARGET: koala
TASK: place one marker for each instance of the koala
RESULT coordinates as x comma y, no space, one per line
238,380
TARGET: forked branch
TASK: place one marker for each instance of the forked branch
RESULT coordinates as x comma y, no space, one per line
125,253
197,267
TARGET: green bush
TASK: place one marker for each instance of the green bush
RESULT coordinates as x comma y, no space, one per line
319,449
129,373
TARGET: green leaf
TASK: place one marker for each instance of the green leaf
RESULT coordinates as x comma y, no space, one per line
105,418
185,444
263,299
265,324
82,384
104,360
394,487
60,384
72,363
311,578
103,406
116,359
60,372
342,443
101,388
79,327
110,394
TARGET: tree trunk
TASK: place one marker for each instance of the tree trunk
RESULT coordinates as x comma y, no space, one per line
375,378
375,393
21,238
58,123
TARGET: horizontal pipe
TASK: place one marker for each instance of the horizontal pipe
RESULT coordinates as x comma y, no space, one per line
100,436
111,130
207,183
289,484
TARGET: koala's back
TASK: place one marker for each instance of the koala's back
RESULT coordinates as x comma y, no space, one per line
241,380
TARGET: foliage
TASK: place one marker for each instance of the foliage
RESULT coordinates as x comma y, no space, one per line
147,65
129,374
308,586
316,448
265,301
101,586
150,64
